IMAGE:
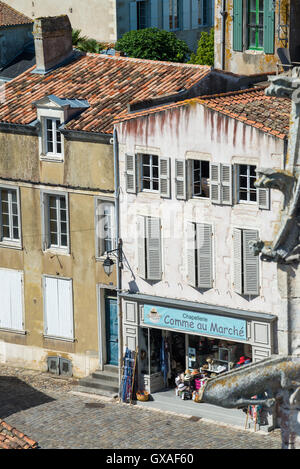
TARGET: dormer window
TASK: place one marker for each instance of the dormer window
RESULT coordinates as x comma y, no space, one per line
52,137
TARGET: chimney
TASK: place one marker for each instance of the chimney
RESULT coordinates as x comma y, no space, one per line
53,42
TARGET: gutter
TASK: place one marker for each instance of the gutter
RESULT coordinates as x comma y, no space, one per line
223,14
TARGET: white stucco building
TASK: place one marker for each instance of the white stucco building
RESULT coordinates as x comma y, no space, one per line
188,210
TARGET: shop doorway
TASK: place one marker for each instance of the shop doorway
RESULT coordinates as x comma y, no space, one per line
111,326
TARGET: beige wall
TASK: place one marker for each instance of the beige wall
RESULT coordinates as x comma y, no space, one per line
86,166
95,18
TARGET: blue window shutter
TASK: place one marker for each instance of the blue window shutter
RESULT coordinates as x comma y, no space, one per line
154,13
195,13
186,14
238,25
133,16
166,15
269,26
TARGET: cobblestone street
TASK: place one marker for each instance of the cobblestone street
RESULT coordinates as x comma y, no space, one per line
46,409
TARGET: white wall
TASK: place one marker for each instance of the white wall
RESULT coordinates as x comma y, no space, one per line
209,135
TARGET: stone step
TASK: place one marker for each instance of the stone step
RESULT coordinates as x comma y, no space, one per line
99,392
90,382
111,369
106,376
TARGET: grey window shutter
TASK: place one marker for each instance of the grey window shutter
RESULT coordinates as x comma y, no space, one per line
45,221
141,242
153,246
215,184
226,184
189,178
191,254
251,264
263,198
237,261
180,179
130,173
204,255
164,177
133,16
166,15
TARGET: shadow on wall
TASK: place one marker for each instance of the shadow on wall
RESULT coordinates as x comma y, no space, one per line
16,395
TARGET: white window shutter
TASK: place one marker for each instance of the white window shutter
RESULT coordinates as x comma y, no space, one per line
153,245
141,243
164,177
251,264
180,179
263,198
130,173
191,254
51,321
186,15
133,16
11,294
237,261
215,183
226,184
65,306
166,15
189,178
204,255
195,24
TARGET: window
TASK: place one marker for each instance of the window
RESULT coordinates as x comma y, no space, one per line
256,24
141,15
10,216
149,248
202,12
11,294
200,178
174,14
246,264
58,308
52,137
150,172
247,192
56,223
105,223
199,255
255,27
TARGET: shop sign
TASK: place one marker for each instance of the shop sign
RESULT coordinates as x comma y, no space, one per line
199,323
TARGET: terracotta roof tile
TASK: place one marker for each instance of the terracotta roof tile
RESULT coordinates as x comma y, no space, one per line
11,17
11,438
267,113
108,83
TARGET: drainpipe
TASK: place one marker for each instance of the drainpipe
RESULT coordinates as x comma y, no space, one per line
223,14
119,251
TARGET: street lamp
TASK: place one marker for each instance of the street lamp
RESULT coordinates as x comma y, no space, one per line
108,265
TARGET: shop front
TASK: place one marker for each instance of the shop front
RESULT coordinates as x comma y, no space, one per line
176,338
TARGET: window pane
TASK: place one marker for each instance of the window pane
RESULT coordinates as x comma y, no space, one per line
64,240
53,239
155,185
253,196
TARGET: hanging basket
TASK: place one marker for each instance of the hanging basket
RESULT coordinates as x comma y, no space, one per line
142,396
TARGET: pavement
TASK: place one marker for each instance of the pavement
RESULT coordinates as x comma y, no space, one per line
49,410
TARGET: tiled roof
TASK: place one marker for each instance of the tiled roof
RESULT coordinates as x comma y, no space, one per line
108,83
10,438
267,113
11,17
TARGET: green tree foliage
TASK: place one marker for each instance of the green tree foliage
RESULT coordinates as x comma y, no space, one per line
153,44
205,50
86,44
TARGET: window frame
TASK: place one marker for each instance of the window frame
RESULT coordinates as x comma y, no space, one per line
257,26
46,233
99,241
248,189
151,178
193,195
44,113
172,26
11,241
54,133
